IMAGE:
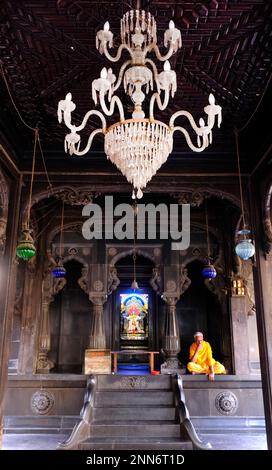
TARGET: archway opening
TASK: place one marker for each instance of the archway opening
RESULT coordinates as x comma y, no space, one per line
134,312
70,319
200,310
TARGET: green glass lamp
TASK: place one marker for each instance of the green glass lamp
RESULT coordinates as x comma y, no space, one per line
26,248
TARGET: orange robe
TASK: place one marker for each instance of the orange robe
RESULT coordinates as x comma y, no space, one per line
204,360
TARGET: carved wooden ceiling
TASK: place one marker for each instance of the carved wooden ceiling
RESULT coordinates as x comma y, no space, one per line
48,48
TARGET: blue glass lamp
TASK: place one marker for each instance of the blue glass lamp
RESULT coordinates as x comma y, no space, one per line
209,272
59,270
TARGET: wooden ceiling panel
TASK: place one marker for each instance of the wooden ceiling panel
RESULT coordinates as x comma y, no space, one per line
48,48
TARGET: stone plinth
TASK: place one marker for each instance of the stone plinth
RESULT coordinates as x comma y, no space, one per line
97,361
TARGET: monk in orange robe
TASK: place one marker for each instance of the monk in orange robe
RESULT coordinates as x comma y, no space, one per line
201,360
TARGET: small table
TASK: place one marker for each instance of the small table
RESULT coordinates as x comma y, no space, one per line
135,352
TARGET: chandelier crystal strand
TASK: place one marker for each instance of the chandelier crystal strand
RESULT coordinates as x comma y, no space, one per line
138,145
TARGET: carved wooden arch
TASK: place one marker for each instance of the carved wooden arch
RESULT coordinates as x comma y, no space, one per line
83,280
73,195
218,262
129,251
76,257
143,252
208,191
56,229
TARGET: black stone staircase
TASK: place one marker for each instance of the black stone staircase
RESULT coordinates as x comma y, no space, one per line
134,412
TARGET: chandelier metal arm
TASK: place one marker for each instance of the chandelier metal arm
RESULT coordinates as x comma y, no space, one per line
188,139
121,74
198,130
161,105
89,143
119,52
160,57
86,117
114,100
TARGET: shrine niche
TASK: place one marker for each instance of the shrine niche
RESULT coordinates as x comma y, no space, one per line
134,313
133,317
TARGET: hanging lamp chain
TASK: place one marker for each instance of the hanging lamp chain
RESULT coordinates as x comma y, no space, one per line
240,179
134,240
207,232
61,229
36,137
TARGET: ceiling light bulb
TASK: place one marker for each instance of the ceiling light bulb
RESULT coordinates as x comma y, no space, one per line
211,99
103,73
167,66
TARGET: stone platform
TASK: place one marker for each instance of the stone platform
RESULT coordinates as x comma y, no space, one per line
52,403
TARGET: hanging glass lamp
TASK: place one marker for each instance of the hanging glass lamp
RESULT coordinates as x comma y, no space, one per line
209,272
59,270
26,248
245,248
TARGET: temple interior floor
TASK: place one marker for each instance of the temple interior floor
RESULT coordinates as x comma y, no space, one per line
230,441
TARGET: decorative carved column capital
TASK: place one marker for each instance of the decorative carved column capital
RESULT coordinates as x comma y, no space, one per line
185,281
169,300
113,279
98,299
83,280
156,281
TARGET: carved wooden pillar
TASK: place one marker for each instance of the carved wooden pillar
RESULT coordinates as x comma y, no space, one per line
29,306
97,333
10,213
171,341
51,286
98,286
262,273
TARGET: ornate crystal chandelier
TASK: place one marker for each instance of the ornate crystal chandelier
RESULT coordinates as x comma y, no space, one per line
140,145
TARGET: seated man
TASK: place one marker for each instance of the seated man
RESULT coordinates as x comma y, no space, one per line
201,360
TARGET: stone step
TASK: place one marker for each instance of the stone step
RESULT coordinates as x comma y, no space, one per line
137,443
134,382
133,397
139,429
128,413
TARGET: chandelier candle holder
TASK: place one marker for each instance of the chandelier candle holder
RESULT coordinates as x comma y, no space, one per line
138,145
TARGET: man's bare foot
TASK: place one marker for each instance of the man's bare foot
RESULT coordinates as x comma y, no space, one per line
211,377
